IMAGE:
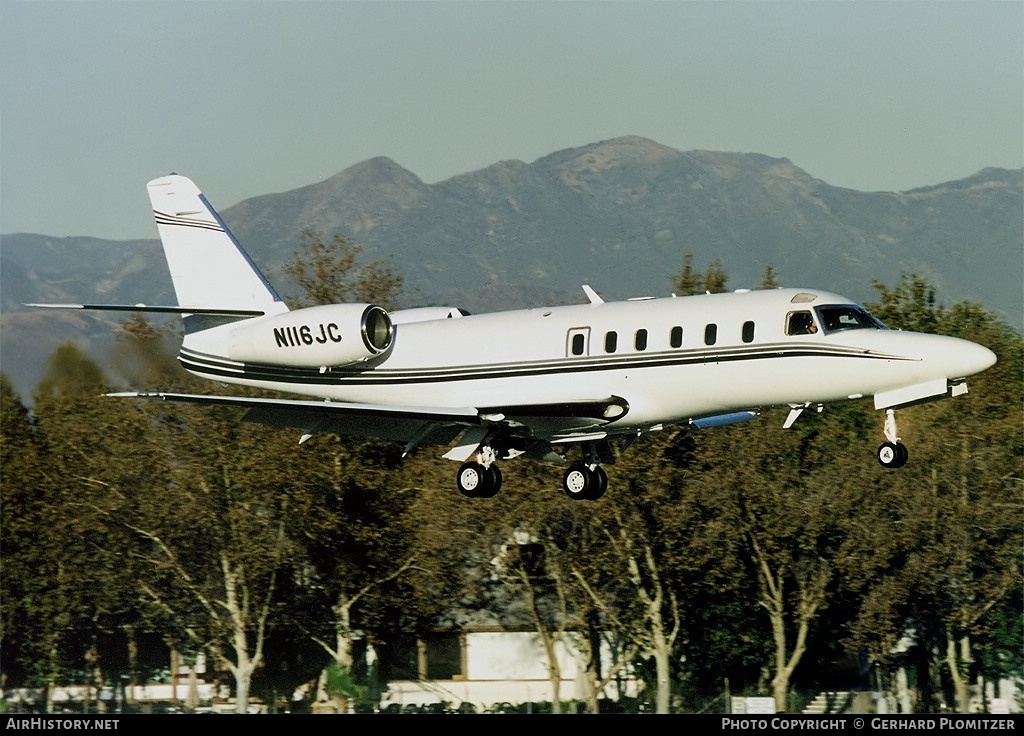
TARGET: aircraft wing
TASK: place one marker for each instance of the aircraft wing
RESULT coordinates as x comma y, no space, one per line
558,422
398,423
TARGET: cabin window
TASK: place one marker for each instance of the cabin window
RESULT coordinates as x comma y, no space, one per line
675,337
800,323
640,340
611,342
577,341
711,334
748,332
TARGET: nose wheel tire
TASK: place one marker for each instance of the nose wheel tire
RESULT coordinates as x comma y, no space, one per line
893,454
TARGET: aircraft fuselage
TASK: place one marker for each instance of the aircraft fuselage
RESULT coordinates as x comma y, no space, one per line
671,359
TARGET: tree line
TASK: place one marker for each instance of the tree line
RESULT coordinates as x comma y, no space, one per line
750,554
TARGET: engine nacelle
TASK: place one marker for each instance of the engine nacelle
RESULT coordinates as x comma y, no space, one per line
331,335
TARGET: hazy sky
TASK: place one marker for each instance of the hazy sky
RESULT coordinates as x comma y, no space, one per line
249,97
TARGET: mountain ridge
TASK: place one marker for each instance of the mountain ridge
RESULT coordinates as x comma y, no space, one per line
619,214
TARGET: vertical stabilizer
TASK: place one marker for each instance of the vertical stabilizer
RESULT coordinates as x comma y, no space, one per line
208,267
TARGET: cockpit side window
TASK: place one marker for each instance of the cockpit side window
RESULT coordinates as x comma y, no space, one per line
800,323
847,317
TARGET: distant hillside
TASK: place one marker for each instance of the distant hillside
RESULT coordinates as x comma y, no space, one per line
618,214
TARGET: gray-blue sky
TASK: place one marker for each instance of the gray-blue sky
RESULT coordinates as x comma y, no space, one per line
249,97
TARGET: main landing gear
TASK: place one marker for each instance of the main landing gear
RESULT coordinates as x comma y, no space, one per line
892,453
583,481
480,478
586,480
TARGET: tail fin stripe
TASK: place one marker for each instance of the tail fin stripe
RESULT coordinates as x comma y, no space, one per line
162,218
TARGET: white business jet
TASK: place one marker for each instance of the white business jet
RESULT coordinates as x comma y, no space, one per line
533,381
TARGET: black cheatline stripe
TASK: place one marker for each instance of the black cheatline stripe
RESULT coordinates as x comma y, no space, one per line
204,362
162,218
198,357
575,363
218,366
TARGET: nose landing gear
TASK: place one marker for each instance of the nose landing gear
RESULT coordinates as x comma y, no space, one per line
892,453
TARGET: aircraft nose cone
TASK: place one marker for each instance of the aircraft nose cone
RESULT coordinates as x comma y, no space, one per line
970,358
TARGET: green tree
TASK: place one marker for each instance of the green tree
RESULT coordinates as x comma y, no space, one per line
689,281
24,643
329,272
949,586
643,608
529,570
782,515
715,277
644,558
96,461
374,565
212,545
207,526
377,568
910,306
530,565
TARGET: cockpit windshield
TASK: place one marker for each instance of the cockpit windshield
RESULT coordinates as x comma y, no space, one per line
838,317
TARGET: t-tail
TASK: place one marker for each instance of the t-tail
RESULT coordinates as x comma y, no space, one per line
233,318
214,279
213,275
210,271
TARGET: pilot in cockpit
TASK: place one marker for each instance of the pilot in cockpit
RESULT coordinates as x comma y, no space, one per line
801,323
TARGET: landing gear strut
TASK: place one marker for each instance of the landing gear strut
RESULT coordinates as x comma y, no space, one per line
892,453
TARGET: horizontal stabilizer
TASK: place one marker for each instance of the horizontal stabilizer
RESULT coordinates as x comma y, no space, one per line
156,308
